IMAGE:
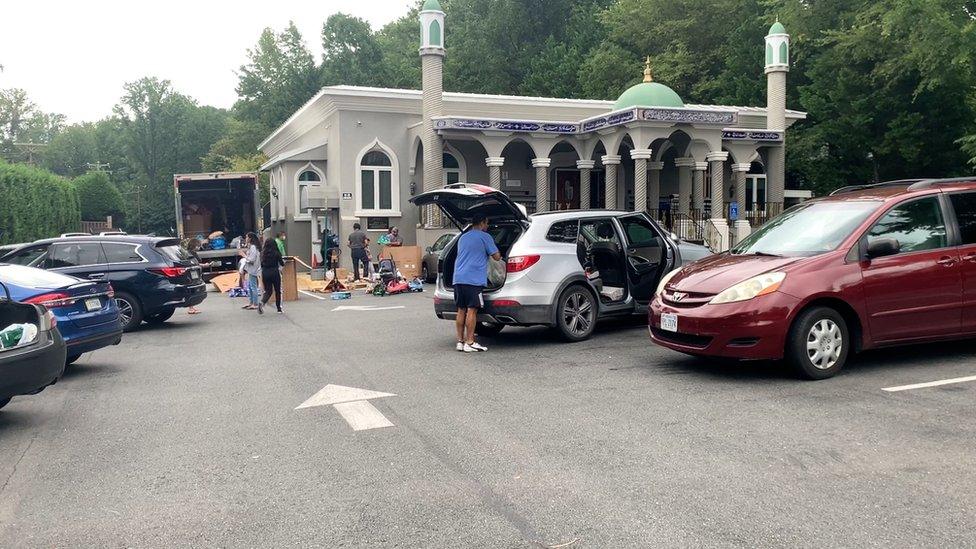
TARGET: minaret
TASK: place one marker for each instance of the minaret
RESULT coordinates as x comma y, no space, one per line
777,65
432,64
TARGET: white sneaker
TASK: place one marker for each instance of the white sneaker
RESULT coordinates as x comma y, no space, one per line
474,348
460,346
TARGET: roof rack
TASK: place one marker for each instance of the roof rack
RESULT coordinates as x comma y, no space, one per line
896,183
928,183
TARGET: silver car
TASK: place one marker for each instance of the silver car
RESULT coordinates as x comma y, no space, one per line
564,269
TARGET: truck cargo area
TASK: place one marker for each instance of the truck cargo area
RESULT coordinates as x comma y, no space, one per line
223,205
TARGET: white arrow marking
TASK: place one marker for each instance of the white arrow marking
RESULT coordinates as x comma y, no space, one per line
352,405
361,415
365,308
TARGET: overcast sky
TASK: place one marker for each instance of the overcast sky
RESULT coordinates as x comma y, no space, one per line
72,56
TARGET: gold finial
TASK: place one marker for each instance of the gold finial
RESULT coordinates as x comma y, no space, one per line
647,70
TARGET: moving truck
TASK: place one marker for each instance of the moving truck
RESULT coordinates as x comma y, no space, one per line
222,201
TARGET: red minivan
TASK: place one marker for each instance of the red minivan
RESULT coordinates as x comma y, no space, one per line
869,266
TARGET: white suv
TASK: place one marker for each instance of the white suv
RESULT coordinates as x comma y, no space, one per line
565,269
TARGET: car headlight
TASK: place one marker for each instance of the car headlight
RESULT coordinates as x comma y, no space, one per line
748,289
664,280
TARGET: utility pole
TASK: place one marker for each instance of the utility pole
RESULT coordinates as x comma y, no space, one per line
29,149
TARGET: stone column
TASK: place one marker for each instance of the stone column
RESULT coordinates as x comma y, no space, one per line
775,177
432,73
610,163
698,187
640,156
541,166
495,164
654,186
742,227
585,167
684,166
720,242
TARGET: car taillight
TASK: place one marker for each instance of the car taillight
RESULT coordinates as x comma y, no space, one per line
505,303
48,321
170,272
521,262
54,299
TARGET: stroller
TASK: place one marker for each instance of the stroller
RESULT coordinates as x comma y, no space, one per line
387,271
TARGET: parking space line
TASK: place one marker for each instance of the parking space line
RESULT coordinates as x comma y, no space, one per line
310,294
929,384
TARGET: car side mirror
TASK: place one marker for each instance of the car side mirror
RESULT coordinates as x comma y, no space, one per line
427,250
881,247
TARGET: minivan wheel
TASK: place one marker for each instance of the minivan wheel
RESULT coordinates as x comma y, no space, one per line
819,343
488,329
576,313
130,312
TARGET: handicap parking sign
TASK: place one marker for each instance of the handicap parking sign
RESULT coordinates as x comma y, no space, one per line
734,211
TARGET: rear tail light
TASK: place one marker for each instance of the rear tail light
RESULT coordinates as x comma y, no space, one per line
170,272
54,299
48,321
521,262
505,303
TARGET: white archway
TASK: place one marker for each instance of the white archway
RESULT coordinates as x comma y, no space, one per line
376,176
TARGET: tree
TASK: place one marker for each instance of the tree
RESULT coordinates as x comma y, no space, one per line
22,122
97,196
165,133
351,54
280,77
36,204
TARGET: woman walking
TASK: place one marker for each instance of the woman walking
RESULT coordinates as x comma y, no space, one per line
271,263
252,268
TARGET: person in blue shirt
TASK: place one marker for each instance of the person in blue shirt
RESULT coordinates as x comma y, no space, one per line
470,278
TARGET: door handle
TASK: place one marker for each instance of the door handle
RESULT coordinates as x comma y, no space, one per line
946,261
96,276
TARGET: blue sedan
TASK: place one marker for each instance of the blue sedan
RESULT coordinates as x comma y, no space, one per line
87,315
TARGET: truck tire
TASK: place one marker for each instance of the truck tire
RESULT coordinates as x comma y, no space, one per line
130,311
576,313
818,343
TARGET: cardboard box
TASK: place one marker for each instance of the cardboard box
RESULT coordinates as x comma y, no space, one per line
198,223
407,259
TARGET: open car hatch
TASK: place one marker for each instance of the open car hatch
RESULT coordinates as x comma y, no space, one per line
460,202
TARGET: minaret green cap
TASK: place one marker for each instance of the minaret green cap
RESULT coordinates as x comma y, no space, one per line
431,5
777,27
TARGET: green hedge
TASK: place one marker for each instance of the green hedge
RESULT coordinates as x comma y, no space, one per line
35,203
98,196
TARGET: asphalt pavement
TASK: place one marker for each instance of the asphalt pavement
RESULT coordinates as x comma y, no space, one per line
188,435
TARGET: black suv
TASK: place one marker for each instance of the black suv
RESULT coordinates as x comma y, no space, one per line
151,276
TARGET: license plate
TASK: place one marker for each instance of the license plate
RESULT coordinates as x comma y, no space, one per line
669,322
194,275
93,304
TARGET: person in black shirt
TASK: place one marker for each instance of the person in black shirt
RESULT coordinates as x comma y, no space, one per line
271,263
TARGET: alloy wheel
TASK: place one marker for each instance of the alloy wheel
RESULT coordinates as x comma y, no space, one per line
824,344
125,311
578,312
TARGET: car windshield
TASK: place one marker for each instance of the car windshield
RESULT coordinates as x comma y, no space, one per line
808,229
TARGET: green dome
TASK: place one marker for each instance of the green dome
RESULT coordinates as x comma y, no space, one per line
431,5
777,27
648,94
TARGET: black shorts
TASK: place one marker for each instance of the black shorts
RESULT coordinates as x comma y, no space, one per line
468,297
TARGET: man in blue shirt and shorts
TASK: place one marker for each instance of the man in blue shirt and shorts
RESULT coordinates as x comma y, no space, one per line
470,279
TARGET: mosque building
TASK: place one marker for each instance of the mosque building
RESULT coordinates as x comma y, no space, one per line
358,154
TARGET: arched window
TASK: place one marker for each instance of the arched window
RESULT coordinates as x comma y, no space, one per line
435,33
769,54
783,53
452,169
376,181
307,178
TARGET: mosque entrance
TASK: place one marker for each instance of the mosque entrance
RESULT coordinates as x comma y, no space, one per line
567,190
